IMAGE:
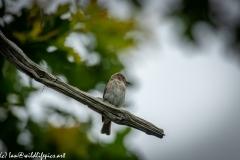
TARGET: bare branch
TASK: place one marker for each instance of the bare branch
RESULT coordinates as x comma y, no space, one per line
17,58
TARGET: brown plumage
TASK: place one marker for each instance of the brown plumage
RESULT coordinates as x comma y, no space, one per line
114,93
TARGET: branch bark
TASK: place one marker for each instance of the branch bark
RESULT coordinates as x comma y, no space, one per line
17,58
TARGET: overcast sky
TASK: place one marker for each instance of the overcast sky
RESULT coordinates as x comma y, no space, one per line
191,93
195,99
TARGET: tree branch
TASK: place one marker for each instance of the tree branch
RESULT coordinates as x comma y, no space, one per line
17,58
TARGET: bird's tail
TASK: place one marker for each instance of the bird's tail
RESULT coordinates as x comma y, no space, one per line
106,128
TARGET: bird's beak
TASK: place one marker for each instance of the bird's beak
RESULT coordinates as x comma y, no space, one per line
128,82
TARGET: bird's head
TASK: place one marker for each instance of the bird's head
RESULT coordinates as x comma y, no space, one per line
120,77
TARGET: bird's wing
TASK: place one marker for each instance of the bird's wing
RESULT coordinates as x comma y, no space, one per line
105,100
105,90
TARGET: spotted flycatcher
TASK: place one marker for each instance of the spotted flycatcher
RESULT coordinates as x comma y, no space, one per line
114,93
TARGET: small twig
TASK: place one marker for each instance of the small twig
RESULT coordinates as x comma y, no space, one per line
42,89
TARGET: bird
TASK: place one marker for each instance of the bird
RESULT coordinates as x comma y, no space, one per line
114,93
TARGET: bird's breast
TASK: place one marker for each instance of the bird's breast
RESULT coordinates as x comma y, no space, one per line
115,93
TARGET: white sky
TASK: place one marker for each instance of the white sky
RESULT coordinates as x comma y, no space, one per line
195,99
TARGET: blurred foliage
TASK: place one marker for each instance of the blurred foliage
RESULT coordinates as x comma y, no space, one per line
192,12
74,142
220,16
216,14
34,31
42,37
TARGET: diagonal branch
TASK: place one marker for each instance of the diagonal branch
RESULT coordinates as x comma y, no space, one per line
17,58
